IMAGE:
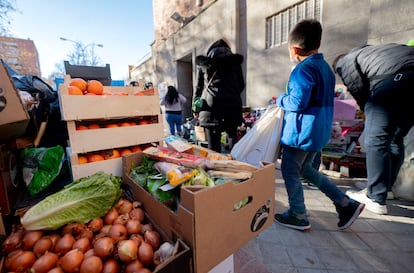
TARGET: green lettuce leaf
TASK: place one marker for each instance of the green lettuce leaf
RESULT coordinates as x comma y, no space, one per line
80,201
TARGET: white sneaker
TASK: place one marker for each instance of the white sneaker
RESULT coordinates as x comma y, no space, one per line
363,185
361,196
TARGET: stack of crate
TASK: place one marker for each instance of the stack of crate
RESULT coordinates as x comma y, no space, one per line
124,118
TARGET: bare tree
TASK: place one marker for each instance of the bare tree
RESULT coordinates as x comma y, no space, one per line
84,54
6,7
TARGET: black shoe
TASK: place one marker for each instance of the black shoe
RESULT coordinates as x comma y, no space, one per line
348,214
291,221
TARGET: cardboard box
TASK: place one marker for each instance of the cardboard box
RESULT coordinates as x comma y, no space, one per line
9,182
205,218
13,116
200,133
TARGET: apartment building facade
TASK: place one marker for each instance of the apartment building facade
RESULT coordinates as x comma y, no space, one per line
258,30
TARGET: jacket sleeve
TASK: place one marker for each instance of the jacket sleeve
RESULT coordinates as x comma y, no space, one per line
200,84
182,98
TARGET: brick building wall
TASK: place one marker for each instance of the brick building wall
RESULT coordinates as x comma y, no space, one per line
21,55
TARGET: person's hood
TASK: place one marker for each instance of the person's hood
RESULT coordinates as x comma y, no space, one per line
219,53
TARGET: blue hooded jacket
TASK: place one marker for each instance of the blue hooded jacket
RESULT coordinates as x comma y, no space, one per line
308,105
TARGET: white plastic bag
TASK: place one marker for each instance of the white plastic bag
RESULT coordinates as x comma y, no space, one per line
261,142
404,184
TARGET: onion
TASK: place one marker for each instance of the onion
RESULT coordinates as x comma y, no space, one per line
45,262
137,238
57,269
89,253
91,264
110,216
95,225
30,238
20,261
82,244
64,244
54,237
145,253
133,226
86,233
12,242
105,229
118,232
133,266
42,245
72,260
137,213
153,238
121,219
127,250
146,227
68,228
110,266
136,204
143,270
124,206
103,247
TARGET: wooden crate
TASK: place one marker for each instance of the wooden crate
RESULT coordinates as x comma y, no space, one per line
83,141
127,101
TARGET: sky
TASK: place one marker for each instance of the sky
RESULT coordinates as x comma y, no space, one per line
125,28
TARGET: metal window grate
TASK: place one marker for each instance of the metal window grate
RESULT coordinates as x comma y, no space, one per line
279,25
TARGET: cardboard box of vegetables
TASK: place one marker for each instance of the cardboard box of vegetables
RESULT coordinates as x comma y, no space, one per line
92,225
216,205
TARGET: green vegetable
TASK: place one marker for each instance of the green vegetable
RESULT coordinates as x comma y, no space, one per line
80,201
140,173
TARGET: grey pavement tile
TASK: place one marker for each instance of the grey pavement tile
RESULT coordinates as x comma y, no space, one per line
404,241
379,241
361,225
390,226
311,270
335,259
399,261
324,223
369,261
321,238
349,240
293,238
275,254
305,257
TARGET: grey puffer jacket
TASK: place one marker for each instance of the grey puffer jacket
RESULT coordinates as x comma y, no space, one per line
221,72
361,65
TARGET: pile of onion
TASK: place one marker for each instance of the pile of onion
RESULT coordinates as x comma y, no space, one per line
120,241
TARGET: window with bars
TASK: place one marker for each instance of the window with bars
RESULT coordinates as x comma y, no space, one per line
279,25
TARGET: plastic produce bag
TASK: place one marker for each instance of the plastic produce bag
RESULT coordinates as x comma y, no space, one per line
261,142
40,166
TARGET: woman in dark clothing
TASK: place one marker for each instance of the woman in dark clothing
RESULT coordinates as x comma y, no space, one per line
220,84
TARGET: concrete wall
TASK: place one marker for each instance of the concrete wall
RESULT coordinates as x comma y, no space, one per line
346,24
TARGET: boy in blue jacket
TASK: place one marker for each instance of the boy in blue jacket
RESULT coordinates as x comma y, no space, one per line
308,107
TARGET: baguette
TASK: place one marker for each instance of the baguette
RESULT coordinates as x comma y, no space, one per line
230,165
235,175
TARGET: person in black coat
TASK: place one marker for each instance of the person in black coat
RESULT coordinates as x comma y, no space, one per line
381,79
220,83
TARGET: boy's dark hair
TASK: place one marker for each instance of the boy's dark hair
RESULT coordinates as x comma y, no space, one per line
307,34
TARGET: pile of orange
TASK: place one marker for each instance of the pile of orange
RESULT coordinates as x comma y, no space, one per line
79,86
107,154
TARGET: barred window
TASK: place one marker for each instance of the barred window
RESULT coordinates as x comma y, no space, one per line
280,24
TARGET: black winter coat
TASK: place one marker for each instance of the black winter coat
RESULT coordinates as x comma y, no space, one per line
221,71
364,67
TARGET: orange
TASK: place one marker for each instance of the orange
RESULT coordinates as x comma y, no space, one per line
136,149
114,153
81,127
95,157
123,124
126,151
144,121
95,87
132,123
90,94
94,126
82,159
73,90
111,125
79,83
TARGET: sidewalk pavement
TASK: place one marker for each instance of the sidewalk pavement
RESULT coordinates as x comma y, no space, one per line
373,244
